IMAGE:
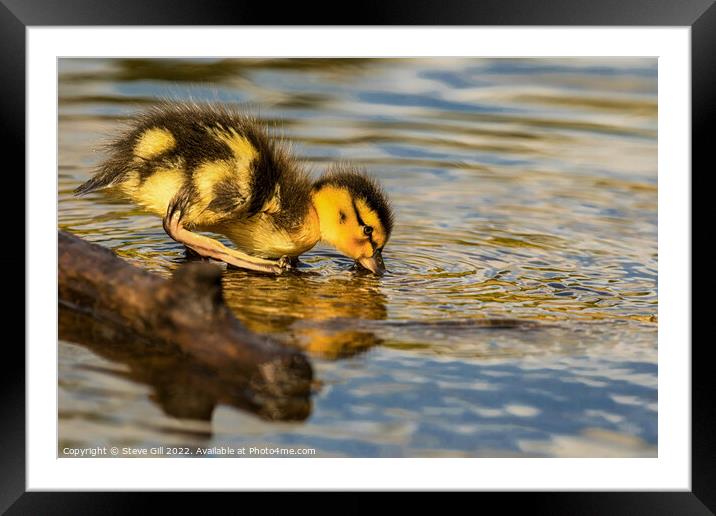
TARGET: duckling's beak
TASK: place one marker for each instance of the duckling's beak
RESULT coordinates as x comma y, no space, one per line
373,263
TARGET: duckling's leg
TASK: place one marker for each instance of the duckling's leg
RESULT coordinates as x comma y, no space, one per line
212,248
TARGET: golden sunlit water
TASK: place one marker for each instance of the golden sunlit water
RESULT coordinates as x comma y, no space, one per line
524,190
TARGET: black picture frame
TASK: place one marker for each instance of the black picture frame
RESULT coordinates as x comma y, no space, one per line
17,15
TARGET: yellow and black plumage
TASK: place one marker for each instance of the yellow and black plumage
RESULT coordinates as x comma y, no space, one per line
209,168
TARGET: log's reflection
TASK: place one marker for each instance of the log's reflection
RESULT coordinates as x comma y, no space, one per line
183,387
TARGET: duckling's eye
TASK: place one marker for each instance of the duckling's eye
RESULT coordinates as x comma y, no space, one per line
341,217
367,230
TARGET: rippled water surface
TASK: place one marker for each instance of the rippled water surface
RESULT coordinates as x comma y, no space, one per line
523,189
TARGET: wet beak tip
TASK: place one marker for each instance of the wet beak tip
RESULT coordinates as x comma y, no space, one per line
373,264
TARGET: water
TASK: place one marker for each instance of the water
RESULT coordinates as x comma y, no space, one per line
523,189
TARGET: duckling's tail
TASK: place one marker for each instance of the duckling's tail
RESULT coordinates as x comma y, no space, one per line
111,172
88,186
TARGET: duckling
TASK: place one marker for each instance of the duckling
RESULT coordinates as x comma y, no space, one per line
210,168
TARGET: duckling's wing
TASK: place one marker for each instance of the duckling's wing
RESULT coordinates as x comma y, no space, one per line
229,198
232,199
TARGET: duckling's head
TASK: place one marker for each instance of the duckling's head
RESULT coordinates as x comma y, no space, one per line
354,214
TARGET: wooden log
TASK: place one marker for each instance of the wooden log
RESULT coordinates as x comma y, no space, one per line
185,314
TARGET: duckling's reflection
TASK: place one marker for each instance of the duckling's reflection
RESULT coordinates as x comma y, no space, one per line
183,388
318,313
